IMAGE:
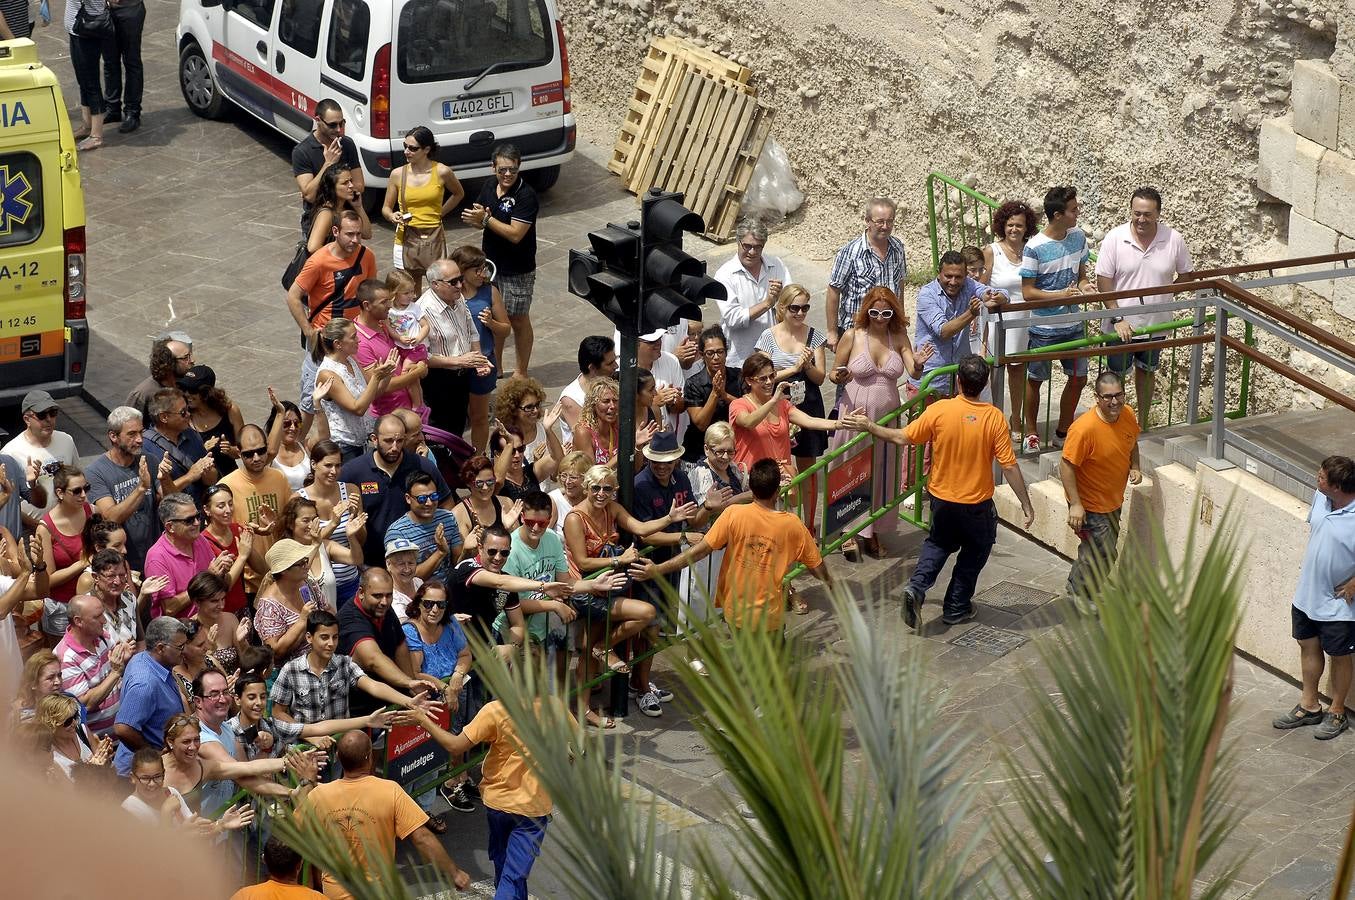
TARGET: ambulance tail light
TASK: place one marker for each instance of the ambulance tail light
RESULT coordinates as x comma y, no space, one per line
381,93
564,66
75,272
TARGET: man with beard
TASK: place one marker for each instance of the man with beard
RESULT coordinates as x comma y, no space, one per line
120,485
381,477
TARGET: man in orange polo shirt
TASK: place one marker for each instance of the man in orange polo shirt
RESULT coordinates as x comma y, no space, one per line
1100,456
966,435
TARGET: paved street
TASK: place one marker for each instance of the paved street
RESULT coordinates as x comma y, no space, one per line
190,225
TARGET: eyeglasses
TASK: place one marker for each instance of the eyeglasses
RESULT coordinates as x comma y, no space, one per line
763,379
1112,398
566,478
46,413
177,648
250,454
750,249
602,489
149,779
797,308
507,170
434,497
457,281
535,523
78,491
720,451
889,221
215,695
435,604
485,483
412,148
182,414
490,551
185,358
530,407
290,423
885,314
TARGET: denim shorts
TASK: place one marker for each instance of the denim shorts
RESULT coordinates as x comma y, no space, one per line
1073,366
1119,363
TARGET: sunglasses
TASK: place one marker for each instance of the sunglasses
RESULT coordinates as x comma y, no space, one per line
485,483
78,491
186,520
797,308
535,523
435,604
457,281
70,721
885,314
46,413
530,407
339,124
426,498
507,170
490,551
603,489
250,454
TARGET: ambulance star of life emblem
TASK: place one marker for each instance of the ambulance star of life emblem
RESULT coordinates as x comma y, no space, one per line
14,207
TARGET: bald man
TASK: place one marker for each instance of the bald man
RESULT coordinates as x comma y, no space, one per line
91,663
372,813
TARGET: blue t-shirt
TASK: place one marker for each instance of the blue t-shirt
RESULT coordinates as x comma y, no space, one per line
1328,562
149,699
1054,265
438,659
423,536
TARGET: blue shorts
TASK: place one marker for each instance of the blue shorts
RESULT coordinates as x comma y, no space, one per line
1073,366
1119,363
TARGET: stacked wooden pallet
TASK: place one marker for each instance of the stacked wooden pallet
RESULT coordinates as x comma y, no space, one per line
693,125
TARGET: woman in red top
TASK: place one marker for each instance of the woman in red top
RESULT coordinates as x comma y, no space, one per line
762,417
63,542
226,536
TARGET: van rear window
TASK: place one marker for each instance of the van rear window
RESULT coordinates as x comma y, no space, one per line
20,199
442,39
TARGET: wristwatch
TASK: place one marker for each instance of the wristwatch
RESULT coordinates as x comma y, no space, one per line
1116,320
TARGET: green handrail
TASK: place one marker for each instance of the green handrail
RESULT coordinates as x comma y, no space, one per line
976,201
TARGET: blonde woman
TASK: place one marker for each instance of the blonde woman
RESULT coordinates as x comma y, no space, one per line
58,715
344,393
717,482
570,492
596,434
797,349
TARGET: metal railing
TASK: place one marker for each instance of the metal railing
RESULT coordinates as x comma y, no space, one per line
959,210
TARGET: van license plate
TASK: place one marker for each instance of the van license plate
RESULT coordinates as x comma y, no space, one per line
477,106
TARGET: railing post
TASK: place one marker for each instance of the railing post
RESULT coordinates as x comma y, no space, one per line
1217,438
931,215
1196,365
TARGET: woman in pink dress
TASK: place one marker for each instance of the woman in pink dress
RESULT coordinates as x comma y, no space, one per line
878,353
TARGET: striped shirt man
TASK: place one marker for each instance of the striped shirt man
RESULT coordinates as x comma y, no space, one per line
422,535
83,669
451,331
857,268
1055,265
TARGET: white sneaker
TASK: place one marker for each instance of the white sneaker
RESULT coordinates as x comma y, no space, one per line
1032,444
649,704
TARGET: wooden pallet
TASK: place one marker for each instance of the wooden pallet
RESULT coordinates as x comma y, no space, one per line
661,72
720,225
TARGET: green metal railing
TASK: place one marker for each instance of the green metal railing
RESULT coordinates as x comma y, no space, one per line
953,210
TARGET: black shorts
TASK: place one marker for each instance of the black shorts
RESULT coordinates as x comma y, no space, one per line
1338,638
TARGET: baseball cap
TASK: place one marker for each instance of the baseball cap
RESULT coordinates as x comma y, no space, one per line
399,545
37,401
197,378
656,335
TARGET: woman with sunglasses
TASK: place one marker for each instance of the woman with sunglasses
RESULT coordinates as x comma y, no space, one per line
286,597
520,406
58,716
762,418
230,635
228,536
515,475
483,507
878,354
62,530
336,502
797,349
485,304
592,544
418,196
289,454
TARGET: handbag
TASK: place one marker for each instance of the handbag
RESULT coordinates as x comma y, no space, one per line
95,26
294,267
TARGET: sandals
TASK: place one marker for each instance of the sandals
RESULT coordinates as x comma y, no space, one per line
597,721
615,664
90,143
850,551
798,605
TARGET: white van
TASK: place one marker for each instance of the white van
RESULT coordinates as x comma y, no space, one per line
476,72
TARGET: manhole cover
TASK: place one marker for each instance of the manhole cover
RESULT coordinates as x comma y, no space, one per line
1018,599
990,640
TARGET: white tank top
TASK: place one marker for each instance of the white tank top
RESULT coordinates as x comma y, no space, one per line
344,427
1006,274
296,475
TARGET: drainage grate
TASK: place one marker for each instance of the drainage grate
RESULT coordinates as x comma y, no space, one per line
1017,599
990,640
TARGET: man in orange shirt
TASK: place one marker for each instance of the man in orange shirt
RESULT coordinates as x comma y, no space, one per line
327,285
760,544
1100,455
966,435
371,813
284,871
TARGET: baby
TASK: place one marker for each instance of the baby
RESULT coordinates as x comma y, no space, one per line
408,326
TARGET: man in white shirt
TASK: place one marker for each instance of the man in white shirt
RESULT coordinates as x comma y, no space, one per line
669,379
597,359
753,281
41,441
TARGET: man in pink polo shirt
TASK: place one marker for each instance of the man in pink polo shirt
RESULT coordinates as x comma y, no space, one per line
91,665
179,554
375,344
1142,253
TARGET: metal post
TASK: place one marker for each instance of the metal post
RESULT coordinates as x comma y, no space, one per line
1196,365
997,381
1217,438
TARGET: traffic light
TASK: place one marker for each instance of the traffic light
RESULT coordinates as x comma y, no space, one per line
638,275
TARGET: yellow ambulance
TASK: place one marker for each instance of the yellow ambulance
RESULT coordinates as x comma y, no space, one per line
44,336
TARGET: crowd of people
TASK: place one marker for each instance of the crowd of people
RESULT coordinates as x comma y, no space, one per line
210,592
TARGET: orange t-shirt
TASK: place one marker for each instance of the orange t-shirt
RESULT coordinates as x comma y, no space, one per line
509,784
370,812
270,489
766,440
317,281
276,890
760,545
1101,451
966,437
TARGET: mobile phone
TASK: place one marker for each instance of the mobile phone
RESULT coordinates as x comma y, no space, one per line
250,735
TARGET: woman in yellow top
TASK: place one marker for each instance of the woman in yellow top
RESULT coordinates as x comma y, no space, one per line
419,194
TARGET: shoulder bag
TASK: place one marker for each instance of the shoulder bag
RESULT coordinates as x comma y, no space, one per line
94,26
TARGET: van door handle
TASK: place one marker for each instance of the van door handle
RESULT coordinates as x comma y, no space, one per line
262,48
280,61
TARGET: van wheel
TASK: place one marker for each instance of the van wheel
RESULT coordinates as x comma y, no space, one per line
542,180
195,80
